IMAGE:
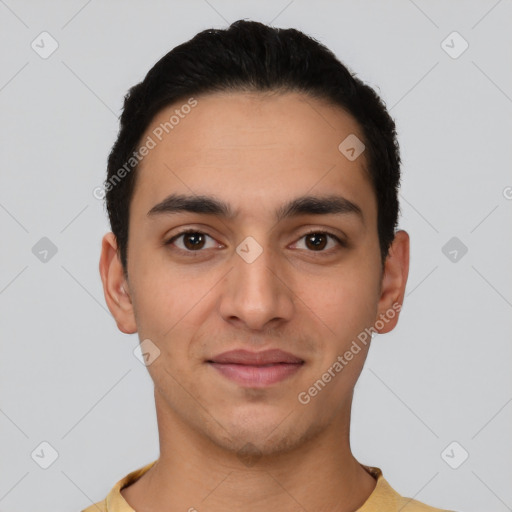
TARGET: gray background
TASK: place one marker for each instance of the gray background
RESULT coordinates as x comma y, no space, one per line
70,378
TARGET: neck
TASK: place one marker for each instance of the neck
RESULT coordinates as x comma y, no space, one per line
193,473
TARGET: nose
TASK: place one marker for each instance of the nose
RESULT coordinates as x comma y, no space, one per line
258,292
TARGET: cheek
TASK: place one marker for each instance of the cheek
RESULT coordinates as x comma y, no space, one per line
171,307
163,300
344,302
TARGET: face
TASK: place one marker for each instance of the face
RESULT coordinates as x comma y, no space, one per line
280,264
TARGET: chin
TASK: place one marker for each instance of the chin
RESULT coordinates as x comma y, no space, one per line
274,436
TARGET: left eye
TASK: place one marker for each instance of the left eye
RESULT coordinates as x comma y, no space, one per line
192,240
317,241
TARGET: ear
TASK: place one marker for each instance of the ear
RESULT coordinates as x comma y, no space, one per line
394,279
115,286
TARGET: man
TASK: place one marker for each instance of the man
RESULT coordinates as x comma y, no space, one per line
252,194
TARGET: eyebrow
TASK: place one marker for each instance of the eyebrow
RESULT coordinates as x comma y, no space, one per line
303,205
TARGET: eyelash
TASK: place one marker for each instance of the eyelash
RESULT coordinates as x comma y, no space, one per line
311,232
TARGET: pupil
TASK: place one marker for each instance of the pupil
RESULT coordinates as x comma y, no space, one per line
317,244
193,236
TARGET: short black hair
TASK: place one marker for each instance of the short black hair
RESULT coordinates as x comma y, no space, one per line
250,56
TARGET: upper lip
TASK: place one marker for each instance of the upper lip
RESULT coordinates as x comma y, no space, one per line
273,356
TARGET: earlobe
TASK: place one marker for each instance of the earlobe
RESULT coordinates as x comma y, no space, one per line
394,281
115,286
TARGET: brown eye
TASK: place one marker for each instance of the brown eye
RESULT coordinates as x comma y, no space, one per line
316,241
191,240
320,241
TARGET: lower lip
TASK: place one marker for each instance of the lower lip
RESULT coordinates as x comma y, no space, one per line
257,376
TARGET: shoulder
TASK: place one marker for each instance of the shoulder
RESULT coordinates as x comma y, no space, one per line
411,505
101,506
385,499
114,502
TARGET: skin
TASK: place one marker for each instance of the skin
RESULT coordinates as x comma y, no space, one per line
256,152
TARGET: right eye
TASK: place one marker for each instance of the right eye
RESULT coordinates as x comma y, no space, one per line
192,240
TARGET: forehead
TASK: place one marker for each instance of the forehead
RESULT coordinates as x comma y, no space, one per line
252,149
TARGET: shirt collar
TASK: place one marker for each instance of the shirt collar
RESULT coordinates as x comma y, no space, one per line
383,498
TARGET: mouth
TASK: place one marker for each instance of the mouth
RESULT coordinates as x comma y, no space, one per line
256,369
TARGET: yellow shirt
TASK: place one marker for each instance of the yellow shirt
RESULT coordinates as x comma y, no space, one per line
383,498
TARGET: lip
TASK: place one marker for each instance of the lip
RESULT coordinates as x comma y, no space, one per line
256,369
